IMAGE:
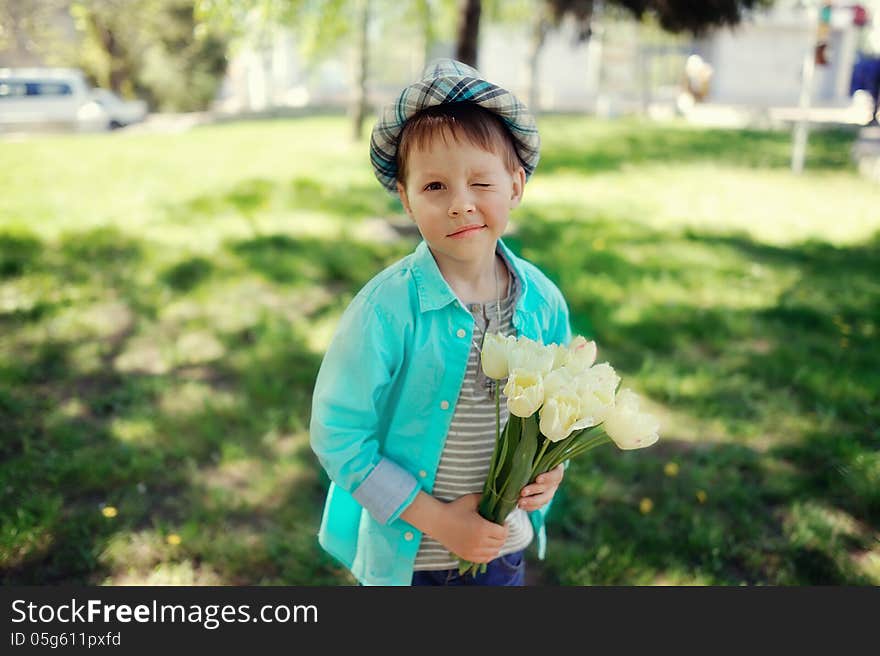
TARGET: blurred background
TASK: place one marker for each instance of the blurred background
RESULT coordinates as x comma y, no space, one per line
187,206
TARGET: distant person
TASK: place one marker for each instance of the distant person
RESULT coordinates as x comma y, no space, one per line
698,74
866,76
403,419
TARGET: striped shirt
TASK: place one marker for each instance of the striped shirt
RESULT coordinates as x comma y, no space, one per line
470,442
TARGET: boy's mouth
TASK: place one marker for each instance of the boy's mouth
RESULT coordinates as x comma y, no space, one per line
465,231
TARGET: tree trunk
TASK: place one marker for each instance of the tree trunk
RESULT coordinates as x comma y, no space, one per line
468,32
360,103
118,66
427,30
540,27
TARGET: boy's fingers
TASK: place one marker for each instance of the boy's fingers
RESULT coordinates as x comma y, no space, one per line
535,501
544,482
552,476
533,490
499,533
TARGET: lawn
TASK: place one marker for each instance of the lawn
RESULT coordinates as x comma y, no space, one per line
165,301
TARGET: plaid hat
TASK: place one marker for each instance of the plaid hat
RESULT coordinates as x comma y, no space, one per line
449,81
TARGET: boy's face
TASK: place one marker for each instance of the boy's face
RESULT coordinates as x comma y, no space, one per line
460,197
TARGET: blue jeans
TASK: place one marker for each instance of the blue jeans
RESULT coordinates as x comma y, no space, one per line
504,570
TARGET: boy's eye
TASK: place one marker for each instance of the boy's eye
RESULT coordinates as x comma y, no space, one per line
482,184
433,186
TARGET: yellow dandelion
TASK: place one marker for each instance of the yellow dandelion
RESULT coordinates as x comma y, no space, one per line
598,244
108,511
844,342
646,505
845,328
671,469
173,539
701,496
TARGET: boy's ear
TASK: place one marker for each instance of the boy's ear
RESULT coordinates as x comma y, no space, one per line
401,190
519,186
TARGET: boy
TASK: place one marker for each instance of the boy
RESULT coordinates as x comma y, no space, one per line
403,419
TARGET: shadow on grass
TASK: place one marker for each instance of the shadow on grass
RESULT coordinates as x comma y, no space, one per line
729,516
19,252
342,261
187,274
805,356
101,464
250,197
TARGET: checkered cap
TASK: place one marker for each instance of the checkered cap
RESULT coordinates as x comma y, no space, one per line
449,81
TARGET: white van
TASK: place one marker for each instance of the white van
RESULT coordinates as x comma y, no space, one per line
49,98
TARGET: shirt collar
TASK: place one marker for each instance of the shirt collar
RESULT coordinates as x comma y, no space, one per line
433,290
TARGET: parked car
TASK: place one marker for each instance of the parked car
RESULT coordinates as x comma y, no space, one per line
32,98
120,112
48,97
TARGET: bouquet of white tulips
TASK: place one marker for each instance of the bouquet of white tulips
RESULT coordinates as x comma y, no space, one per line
561,405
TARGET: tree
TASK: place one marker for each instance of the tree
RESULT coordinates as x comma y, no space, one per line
673,16
322,26
468,31
31,33
152,49
678,16
319,26
360,102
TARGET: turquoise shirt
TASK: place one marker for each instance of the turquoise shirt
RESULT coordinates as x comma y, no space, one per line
385,396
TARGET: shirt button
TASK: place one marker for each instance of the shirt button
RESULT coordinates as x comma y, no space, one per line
408,536
461,332
444,405
422,473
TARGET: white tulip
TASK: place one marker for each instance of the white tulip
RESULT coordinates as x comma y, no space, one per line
524,392
628,426
558,380
596,387
581,353
530,355
560,416
560,355
495,354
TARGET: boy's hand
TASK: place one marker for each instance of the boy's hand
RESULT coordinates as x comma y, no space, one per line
538,494
467,534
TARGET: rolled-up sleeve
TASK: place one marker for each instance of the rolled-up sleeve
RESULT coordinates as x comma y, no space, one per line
387,491
358,368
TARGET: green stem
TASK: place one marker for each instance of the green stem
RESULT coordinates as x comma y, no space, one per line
497,411
493,464
559,449
560,455
507,480
535,471
493,496
580,448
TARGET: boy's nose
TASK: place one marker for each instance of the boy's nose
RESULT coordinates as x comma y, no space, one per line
461,206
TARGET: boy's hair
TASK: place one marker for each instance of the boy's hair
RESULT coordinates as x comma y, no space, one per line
467,120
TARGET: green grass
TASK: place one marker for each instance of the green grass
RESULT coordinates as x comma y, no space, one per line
165,302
